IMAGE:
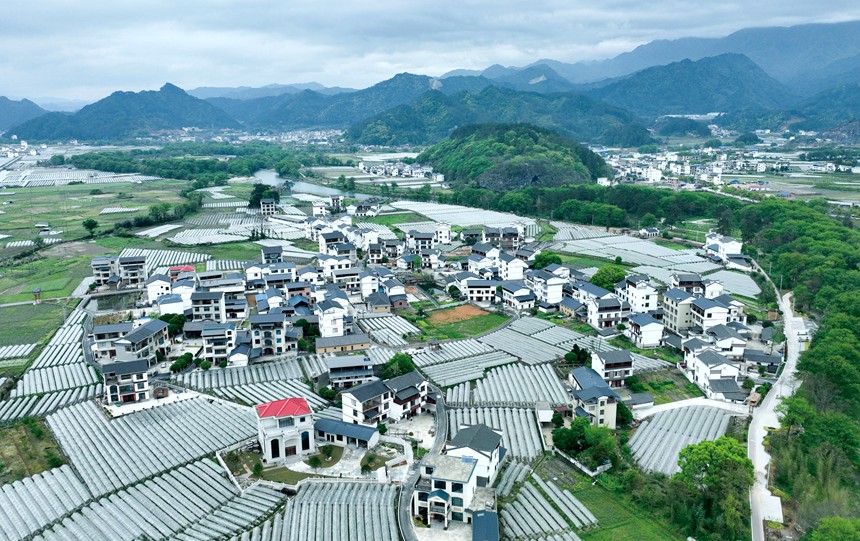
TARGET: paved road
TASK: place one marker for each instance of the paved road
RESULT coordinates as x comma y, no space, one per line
700,401
404,502
763,504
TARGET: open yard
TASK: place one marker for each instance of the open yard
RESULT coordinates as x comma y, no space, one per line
460,322
669,386
28,323
391,219
27,448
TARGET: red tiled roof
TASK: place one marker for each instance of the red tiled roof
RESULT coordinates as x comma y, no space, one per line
183,268
286,407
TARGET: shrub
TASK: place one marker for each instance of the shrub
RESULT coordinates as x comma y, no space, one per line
315,461
258,469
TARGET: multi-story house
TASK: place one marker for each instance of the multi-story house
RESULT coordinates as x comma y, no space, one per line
272,254
156,286
547,287
678,310
708,313
644,331
104,267
219,339
271,334
512,268
348,280
132,271
417,241
607,312
482,445
208,305
445,489
268,207
285,429
367,404
595,400
348,370
517,296
613,366
126,382
103,338
144,342
636,290
331,317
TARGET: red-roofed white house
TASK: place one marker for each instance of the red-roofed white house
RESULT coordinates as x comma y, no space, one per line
285,429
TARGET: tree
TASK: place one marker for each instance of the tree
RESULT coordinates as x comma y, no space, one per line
623,415
634,384
416,263
607,276
159,212
175,323
648,220
205,365
257,470
399,364
557,420
544,259
748,384
836,529
454,292
328,393
717,467
315,461
327,451
90,225
382,429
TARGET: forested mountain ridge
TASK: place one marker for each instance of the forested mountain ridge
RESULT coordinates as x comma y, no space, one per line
125,114
14,112
509,156
432,117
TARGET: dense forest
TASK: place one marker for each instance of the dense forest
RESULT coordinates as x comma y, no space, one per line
815,454
509,156
618,206
195,161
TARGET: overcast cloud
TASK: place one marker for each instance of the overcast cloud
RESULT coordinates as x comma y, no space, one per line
85,50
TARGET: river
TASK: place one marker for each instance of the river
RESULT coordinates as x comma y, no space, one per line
267,176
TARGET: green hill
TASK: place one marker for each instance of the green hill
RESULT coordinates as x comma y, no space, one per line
434,115
681,127
508,156
724,83
125,114
14,112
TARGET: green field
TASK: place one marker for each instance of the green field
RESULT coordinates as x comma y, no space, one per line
618,517
391,219
28,323
27,449
458,330
584,261
57,277
65,207
669,386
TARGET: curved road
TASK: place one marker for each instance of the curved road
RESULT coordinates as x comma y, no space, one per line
764,505
404,502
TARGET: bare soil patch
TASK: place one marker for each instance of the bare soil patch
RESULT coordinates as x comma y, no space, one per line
453,315
73,249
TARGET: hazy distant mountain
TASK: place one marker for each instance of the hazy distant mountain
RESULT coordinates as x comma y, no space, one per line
785,53
61,104
124,114
839,73
829,109
250,93
309,109
535,79
432,117
14,112
725,83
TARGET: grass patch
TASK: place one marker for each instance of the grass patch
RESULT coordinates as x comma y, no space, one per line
336,455
579,260
669,386
243,463
391,219
57,277
372,461
26,449
669,244
619,518
286,475
664,353
457,330
29,324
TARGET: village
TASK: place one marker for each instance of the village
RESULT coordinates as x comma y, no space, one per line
429,360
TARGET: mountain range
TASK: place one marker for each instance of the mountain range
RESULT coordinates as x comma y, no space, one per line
804,75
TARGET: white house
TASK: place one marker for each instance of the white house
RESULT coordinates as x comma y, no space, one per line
613,366
445,489
285,428
547,287
636,290
722,246
708,313
331,318
511,268
391,400
594,399
644,331
715,375
482,445
156,286
678,310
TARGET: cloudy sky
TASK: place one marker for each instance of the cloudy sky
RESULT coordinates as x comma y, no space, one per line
85,50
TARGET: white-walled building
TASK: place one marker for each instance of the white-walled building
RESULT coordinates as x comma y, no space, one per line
637,290
285,428
483,445
644,331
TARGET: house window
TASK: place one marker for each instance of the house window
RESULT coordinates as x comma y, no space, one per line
440,485
286,422
457,502
457,487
